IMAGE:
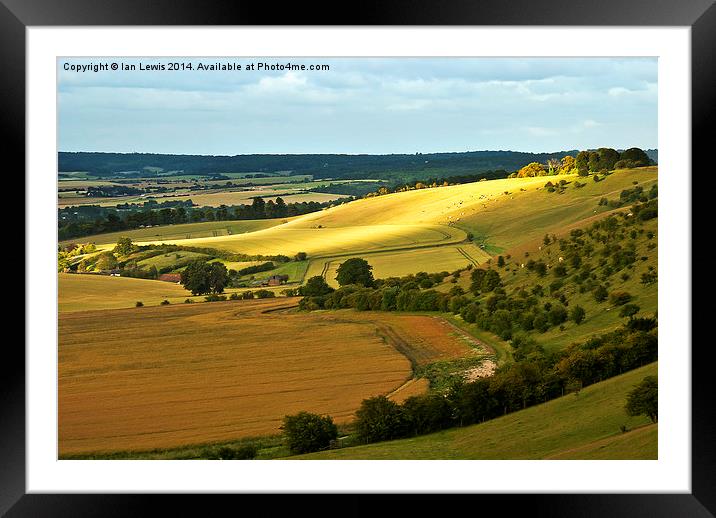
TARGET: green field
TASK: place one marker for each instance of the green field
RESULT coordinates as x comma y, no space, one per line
566,427
395,264
291,193
170,259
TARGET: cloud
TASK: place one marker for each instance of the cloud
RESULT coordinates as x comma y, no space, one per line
364,105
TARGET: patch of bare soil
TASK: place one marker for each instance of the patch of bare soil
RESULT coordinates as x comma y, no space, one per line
484,370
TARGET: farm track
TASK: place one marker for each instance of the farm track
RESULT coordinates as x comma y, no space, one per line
467,336
467,256
332,257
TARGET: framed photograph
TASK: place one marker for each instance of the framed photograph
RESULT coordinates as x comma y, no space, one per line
420,253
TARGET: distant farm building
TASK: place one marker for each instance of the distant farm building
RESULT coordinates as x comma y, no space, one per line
277,280
170,277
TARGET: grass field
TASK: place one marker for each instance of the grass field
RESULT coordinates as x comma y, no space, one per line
181,231
163,260
83,292
500,214
151,377
328,242
201,198
395,264
582,426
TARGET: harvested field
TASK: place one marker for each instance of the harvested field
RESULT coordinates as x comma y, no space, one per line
158,377
83,292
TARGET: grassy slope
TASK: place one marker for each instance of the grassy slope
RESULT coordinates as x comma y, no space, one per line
569,427
388,264
82,292
506,223
182,231
417,218
600,317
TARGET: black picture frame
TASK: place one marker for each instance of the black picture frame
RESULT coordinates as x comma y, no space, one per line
700,15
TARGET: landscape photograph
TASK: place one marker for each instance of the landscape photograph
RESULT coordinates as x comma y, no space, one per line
357,258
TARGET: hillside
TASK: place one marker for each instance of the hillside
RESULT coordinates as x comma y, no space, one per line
499,214
583,426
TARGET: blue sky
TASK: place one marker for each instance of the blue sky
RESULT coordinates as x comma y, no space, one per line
361,105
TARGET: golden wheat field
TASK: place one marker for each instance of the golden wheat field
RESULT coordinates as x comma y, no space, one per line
158,377
82,292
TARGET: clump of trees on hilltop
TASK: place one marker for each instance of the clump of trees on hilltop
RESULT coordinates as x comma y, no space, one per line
586,162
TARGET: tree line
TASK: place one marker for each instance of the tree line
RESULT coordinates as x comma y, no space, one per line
82,221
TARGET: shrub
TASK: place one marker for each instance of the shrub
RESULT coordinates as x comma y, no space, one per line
577,314
557,315
306,432
139,304
600,293
243,452
619,298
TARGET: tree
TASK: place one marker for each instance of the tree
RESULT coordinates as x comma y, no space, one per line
629,310
557,315
315,287
600,293
619,298
577,314
258,208
568,164
306,432
355,271
500,261
476,277
643,399
635,157
427,413
124,246
106,261
582,163
607,158
553,166
379,419
490,281
200,277
218,277
530,170
301,256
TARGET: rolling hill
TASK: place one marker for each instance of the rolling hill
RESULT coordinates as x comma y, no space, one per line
498,214
583,426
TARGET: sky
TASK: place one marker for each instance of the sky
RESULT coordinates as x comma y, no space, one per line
359,105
